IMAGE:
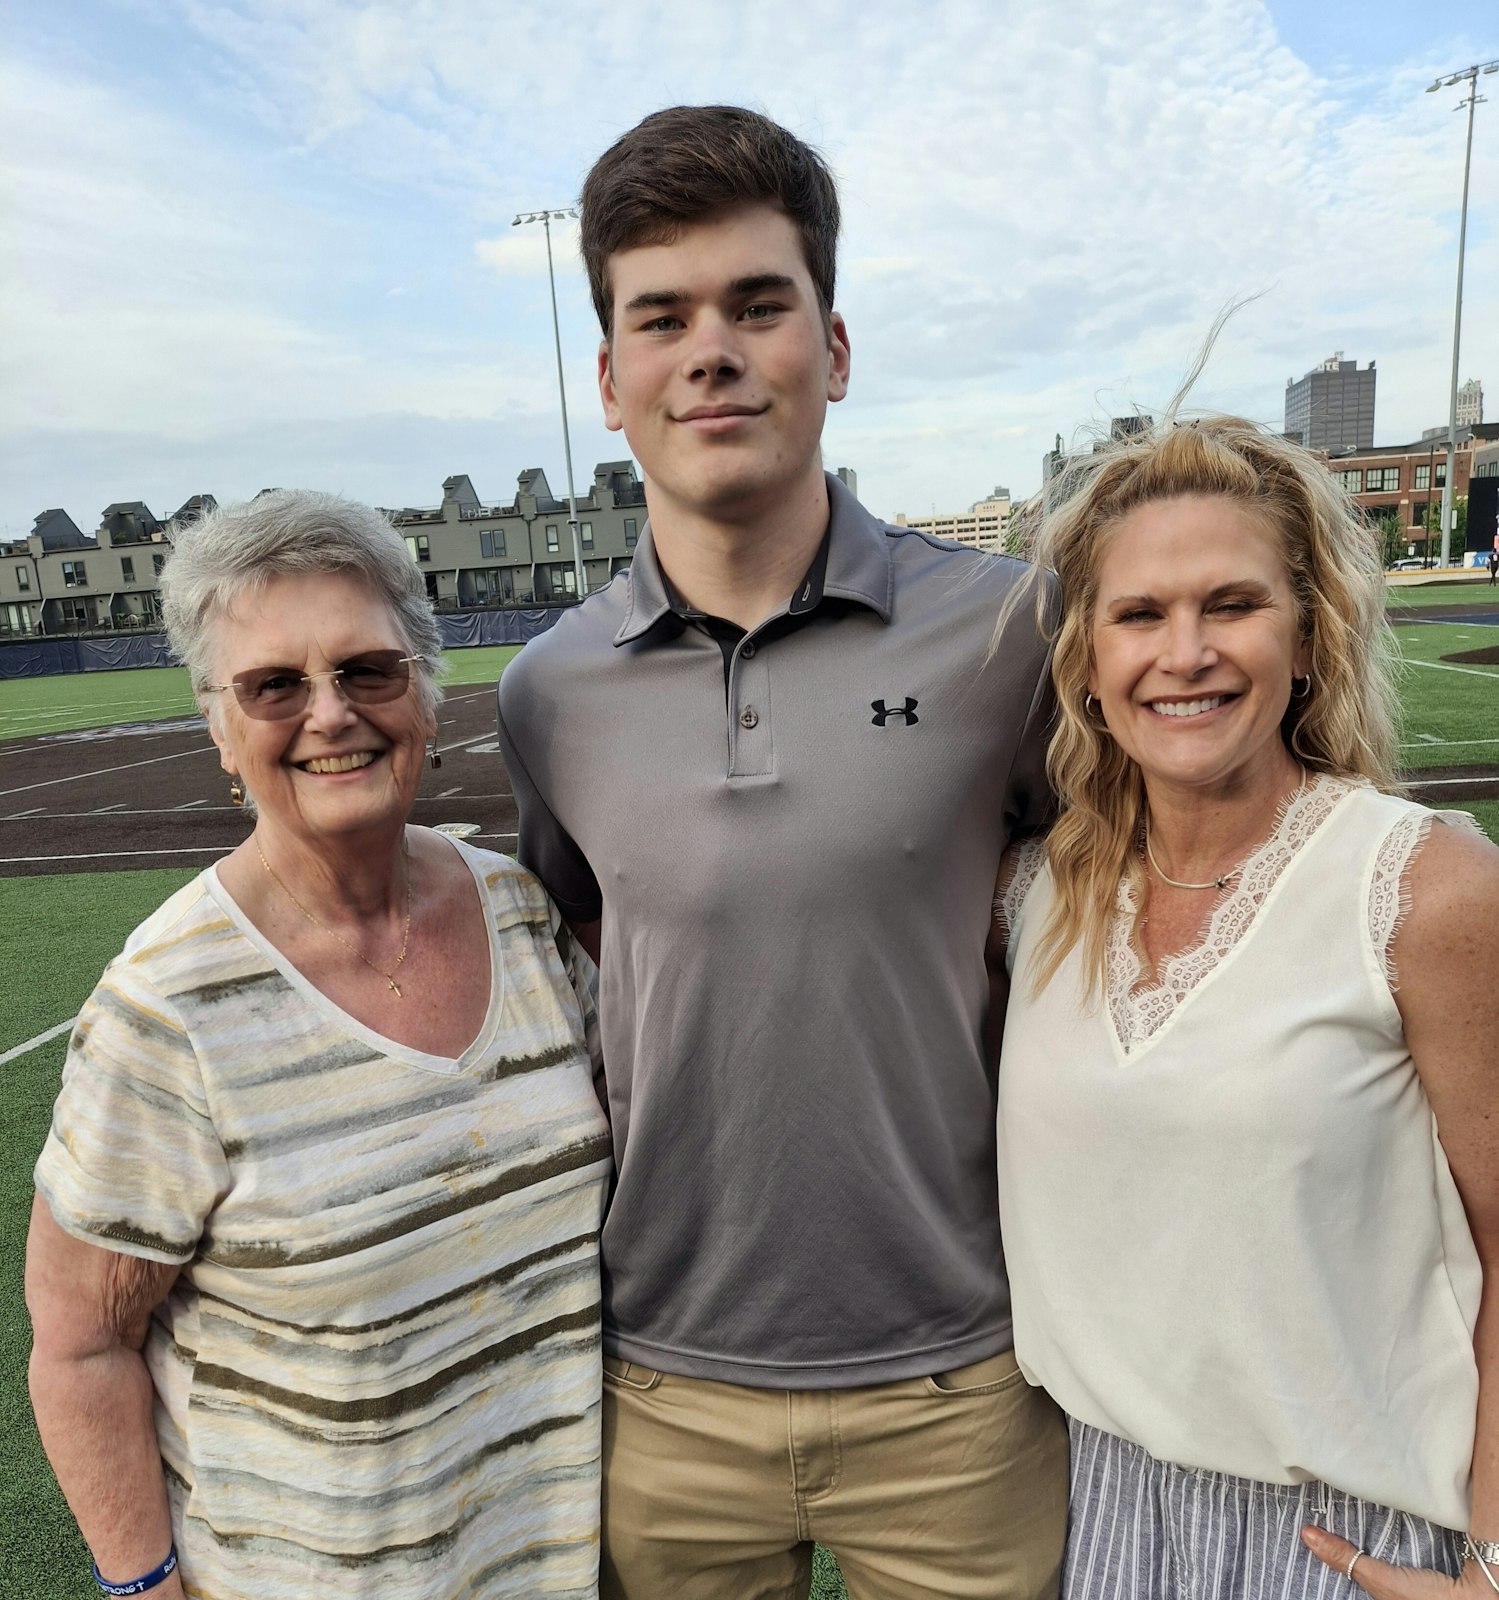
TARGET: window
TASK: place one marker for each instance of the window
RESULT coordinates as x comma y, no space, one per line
73,575
630,534
492,587
585,533
492,543
15,619
418,545
74,612
23,579
1423,478
127,569
158,561
1352,480
552,537
1379,480
1441,474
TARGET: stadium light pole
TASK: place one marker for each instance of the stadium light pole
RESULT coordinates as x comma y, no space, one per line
545,218
1468,75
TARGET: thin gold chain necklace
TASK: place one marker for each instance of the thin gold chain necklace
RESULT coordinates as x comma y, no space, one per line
317,922
1232,873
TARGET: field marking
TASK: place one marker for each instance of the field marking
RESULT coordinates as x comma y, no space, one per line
442,749
447,794
189,806
1430,739
15,816
38,1042
1416,781
110,855
100,811
101,772
1444,666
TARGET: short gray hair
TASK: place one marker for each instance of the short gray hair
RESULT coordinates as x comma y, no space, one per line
235,550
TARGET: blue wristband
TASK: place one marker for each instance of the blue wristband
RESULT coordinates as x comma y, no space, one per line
139,1585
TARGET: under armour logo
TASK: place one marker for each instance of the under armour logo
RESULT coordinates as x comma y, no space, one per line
883,713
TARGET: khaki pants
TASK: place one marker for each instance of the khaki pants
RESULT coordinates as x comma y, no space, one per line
945,1488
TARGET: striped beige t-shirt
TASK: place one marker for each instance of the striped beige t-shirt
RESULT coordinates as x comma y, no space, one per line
378,1372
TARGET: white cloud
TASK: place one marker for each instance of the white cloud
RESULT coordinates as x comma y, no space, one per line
1044,211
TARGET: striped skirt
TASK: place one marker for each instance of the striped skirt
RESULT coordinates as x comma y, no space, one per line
1142,1529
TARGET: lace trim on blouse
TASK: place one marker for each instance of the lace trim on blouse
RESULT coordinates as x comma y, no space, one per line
1141,1009
1389,890
1017,875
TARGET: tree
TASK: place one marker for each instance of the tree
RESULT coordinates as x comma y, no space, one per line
1392,535
1459,526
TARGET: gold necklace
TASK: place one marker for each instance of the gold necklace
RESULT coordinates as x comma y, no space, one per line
1212,883
317,922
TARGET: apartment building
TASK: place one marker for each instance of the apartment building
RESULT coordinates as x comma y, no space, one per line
472,554
982,525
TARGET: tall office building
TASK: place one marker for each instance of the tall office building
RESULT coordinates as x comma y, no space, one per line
1332,407
1470,404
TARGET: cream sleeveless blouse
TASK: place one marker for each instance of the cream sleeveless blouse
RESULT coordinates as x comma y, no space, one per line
1231,1231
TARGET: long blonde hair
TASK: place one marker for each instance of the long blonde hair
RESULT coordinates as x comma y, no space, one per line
1344,724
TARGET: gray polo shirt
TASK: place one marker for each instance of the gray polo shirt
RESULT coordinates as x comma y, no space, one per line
794,870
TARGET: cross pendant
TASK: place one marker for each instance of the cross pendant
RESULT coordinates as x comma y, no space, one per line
395,988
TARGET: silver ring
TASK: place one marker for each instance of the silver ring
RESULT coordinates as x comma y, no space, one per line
1348,1570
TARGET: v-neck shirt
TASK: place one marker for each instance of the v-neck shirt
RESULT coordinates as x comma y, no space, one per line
1232,1233
378,1370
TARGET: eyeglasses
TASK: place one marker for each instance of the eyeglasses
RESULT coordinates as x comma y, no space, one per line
271,693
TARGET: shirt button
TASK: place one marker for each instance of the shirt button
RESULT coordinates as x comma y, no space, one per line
747,650
749,717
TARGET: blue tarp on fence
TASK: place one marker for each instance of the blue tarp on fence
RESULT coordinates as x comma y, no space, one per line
460,628
43,658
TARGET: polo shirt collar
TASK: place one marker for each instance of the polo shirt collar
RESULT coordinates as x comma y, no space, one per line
853,562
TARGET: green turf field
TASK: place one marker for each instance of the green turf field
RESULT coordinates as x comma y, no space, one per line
149,694
1451,709
1448,593
61,930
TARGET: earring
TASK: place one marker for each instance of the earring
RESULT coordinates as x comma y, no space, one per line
236,792
1304,692
433,756
1090,705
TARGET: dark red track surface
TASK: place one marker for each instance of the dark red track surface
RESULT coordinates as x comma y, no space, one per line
153,795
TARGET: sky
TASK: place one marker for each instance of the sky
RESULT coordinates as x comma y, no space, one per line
268,242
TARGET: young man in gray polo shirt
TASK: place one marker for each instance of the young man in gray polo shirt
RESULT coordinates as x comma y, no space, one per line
767,775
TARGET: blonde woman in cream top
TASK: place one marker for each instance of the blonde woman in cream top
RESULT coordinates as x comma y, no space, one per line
1249,1089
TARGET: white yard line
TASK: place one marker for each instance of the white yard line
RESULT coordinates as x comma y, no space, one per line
38,1042
1430,741
101,772
1416,781
1443,666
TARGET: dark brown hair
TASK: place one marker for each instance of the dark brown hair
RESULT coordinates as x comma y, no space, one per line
681,165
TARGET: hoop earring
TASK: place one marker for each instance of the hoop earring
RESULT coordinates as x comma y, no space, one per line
433,756
1090,706
1303,693
236,792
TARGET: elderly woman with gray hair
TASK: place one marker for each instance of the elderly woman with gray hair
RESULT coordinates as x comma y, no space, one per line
312,1266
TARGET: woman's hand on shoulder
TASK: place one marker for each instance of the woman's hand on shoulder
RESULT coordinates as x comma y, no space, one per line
1386,1582
1448,995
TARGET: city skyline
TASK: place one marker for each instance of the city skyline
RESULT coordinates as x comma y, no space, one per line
269,243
